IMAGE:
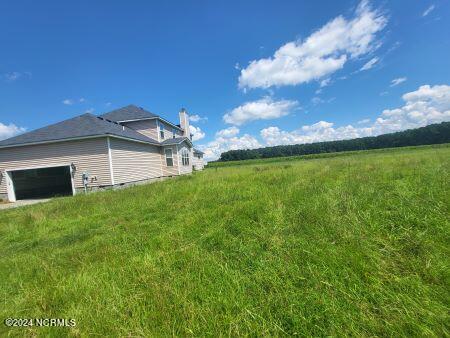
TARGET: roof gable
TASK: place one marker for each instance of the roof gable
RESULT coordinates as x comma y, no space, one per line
176,140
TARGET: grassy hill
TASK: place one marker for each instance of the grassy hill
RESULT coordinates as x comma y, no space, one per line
350,245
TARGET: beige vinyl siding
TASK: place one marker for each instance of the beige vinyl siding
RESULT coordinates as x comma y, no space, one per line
168,131
170,171
150,128
90,155
146,127
197,162
132,161
185,169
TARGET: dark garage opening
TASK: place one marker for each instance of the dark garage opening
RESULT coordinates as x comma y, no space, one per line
42,182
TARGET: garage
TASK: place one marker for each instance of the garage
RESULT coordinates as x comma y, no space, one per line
41,182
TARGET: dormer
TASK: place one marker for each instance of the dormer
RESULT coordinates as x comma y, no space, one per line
146,123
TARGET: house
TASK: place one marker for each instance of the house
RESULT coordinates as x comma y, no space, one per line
125,146
197,160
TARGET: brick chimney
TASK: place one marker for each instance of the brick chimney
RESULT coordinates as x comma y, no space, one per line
184,122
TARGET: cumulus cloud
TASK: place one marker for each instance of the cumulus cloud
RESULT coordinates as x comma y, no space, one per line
196,132
197,118
89,111
10,130
397,81
263,109
426,105
321,54
428,10
221,144
369,64
228,132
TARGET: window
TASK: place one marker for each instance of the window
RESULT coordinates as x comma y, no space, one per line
161,130
169,157
174,132
185,156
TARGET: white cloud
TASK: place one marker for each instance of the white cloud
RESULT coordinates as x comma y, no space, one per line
237,66
322,53
89,111
397,81
370,64
263,109
108,104
10,130
197,133
197,118
427,105
13,76
428,10
316,100
325,82
228,132
68,102
214,148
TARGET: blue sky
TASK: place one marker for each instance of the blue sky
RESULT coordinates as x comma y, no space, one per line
253,73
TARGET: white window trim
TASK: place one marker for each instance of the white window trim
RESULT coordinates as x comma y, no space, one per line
171,156
161,129
185,152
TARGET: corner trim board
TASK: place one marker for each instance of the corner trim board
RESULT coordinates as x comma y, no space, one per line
110,161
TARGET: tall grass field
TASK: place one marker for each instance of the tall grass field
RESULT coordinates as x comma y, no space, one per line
352,245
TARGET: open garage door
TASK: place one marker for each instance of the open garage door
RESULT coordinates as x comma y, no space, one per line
41,182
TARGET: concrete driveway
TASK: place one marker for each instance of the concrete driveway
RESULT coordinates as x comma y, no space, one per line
22,203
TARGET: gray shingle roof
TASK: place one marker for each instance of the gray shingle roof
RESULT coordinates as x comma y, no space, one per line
130,112
80,126
196,151
176,140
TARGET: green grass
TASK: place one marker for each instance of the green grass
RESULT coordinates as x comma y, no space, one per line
218,164
355,245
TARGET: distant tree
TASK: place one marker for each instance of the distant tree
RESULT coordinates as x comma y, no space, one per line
432,134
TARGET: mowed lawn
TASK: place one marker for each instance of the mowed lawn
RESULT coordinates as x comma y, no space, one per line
351,245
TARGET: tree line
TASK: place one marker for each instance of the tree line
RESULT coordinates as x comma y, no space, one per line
431,134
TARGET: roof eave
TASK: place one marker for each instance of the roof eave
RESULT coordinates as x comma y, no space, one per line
152,118
176,143
156,143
